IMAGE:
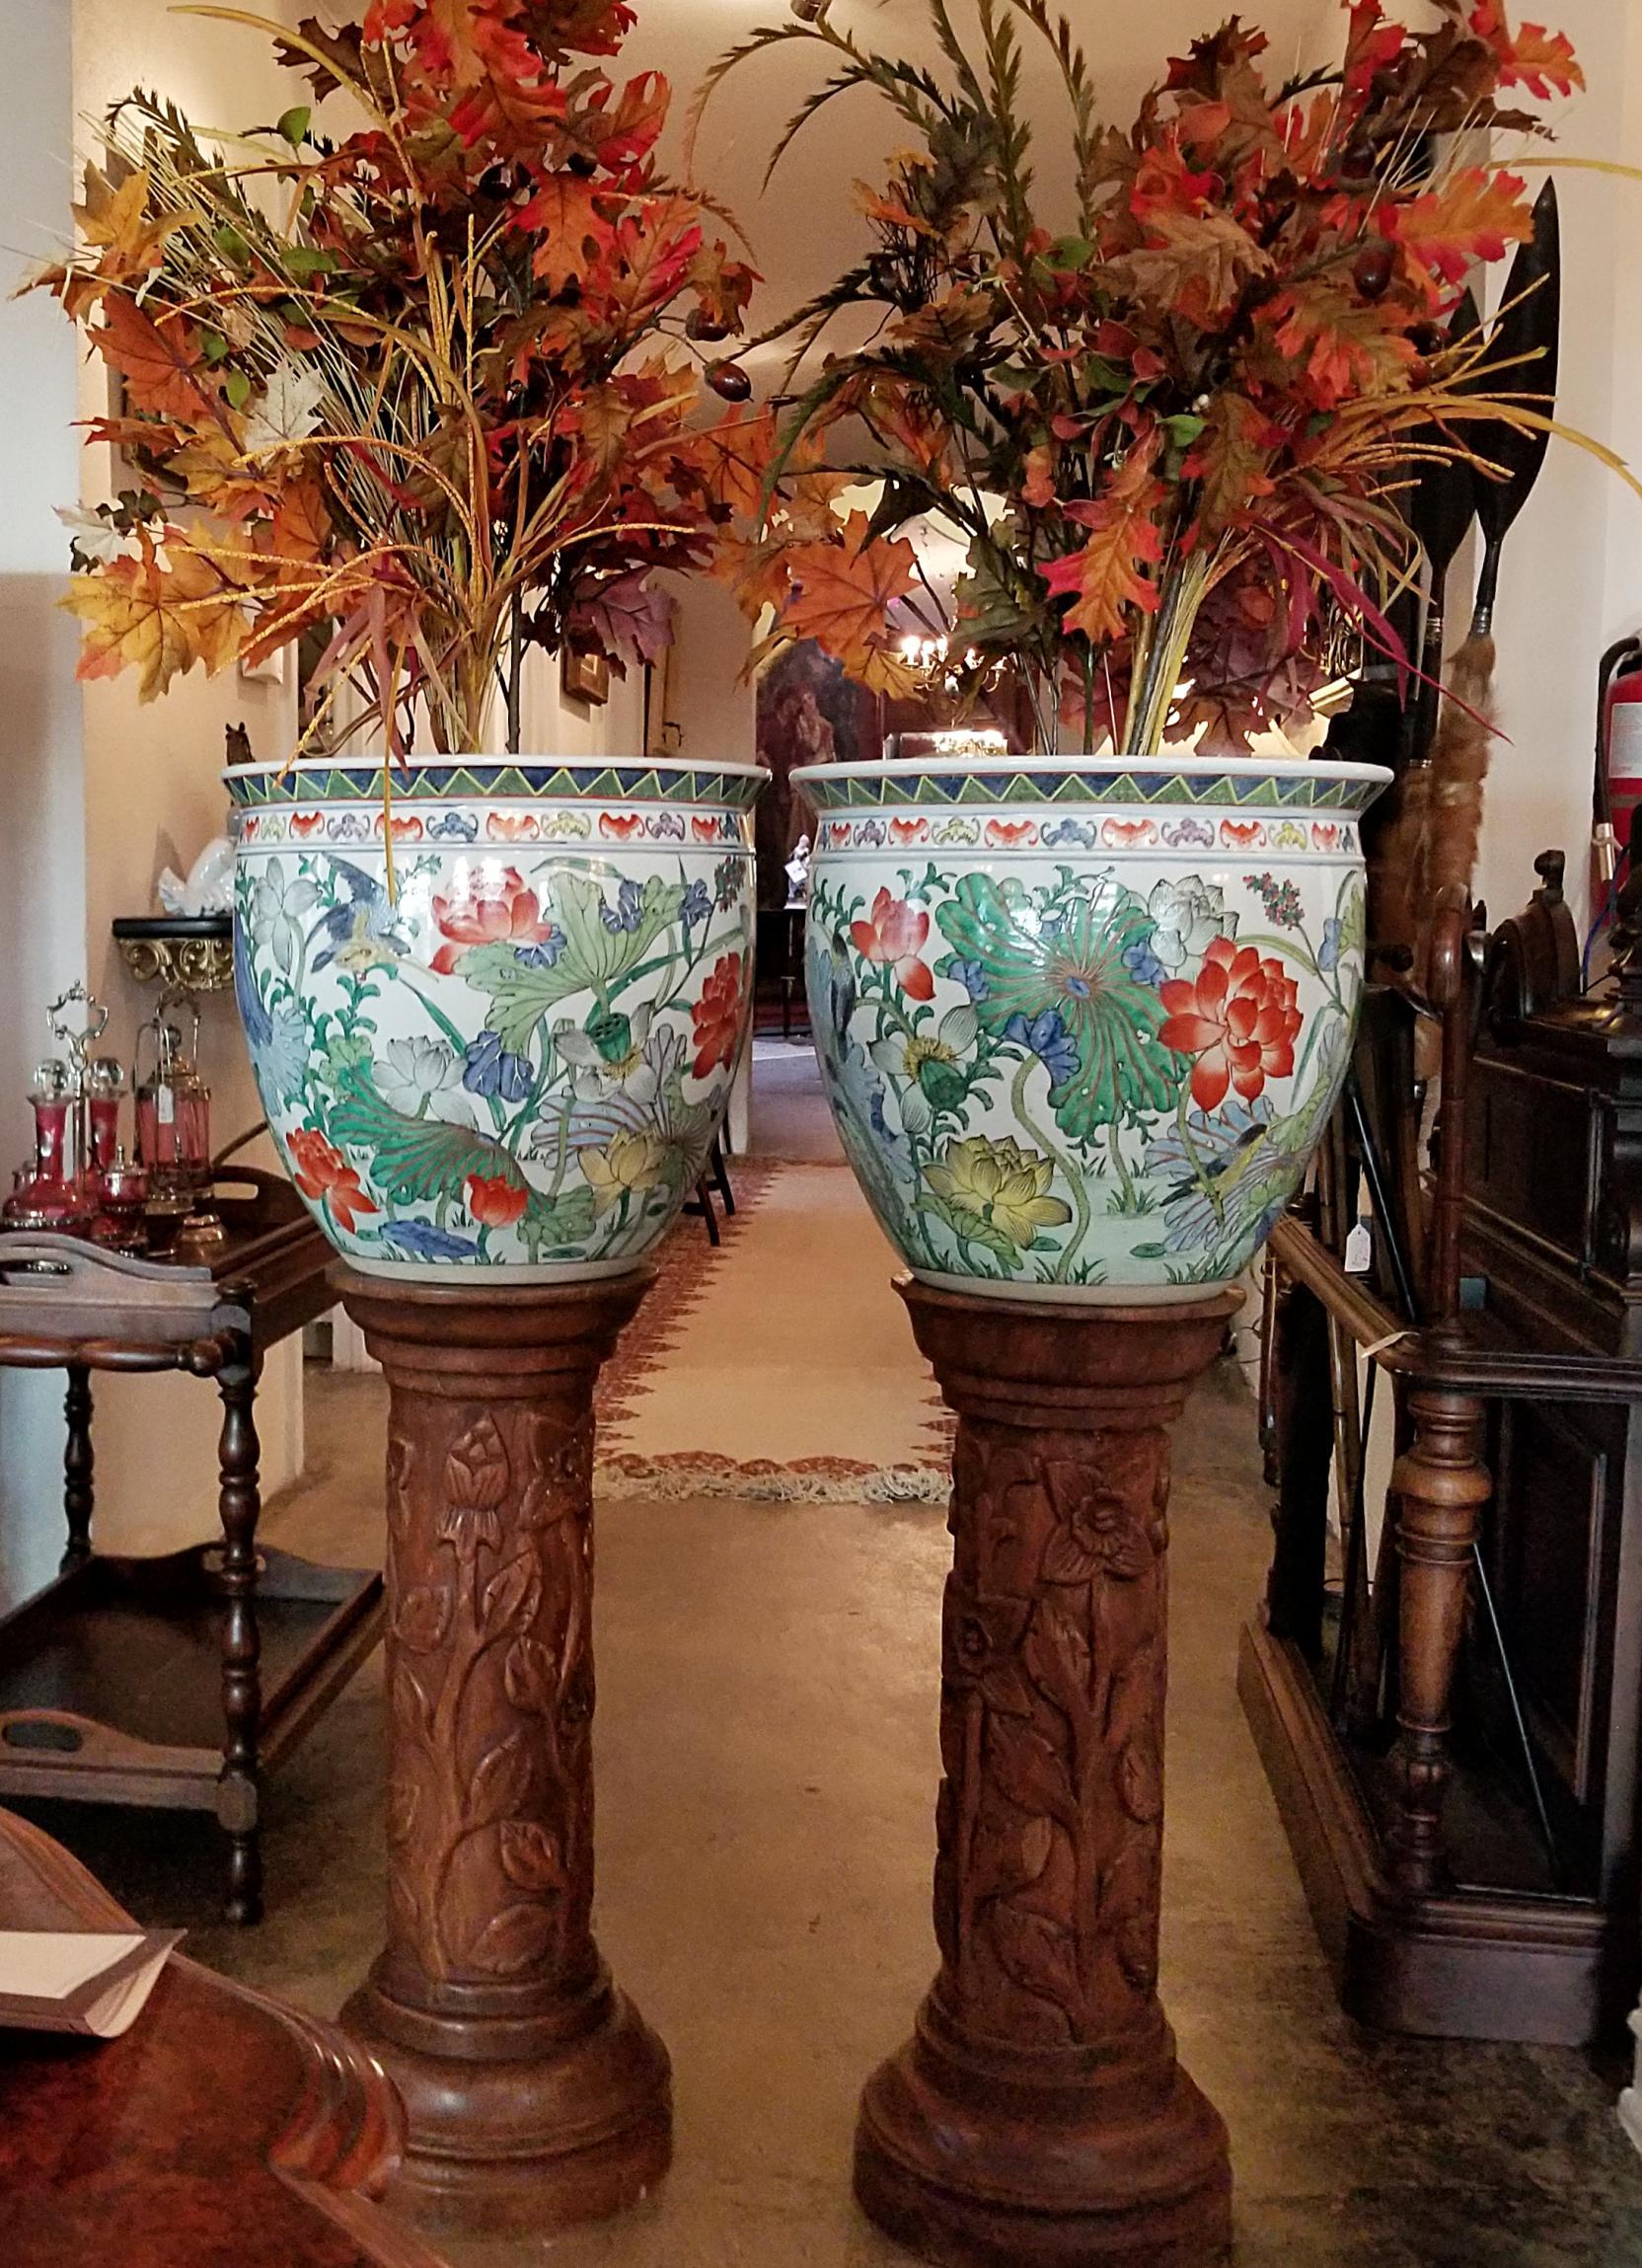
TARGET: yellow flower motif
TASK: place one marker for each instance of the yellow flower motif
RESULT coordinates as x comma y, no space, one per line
1001,1184
630,1162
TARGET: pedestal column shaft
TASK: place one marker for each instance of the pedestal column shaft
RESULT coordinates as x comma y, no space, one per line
535,2095
1039,2116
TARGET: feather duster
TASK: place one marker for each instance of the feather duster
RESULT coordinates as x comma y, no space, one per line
1459,760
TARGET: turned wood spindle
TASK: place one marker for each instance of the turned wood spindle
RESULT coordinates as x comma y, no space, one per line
1442,1486
79,1465
238,1794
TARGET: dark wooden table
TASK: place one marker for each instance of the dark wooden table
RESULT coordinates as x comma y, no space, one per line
223,2130
173,1682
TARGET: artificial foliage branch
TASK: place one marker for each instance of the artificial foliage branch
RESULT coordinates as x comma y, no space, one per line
428,388
1172,421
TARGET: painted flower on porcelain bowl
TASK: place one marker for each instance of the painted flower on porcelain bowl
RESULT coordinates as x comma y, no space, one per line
508,1048
1064,1072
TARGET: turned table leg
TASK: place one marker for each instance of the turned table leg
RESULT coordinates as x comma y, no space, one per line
79,1465
240,1503
1442,1486
536,2095
1038,2118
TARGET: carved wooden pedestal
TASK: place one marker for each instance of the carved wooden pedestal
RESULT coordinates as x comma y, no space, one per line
1038,2118
536,2094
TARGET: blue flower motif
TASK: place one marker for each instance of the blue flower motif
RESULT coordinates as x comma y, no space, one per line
489,1070
972,975
1328,952
628,911
1143,964
544,953
421,1240
454,827
283,1061
253,1016
1050,1041
696,906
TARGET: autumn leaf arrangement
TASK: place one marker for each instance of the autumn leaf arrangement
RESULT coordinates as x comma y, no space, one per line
427,389
1169,418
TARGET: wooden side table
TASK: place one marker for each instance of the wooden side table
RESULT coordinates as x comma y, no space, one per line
223,2126
173,1682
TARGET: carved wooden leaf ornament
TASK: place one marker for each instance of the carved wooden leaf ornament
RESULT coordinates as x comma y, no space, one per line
515,1939
531,1676
502,1782
530,1855
512,1598
422,1622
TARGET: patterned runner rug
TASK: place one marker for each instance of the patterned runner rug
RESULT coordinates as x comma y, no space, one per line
780,1368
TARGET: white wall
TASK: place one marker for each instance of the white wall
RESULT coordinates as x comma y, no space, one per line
41,866
1573,566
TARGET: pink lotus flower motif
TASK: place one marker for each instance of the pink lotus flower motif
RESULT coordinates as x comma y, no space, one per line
487,909
1239,1017
893,939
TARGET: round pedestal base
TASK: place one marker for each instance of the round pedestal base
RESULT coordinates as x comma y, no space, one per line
1119,2179
523,2147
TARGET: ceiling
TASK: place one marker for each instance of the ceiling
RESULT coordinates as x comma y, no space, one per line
804,230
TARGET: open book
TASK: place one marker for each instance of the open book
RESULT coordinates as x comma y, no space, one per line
91,1982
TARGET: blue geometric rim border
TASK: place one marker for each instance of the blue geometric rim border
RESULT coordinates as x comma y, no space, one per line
424,783
1257,788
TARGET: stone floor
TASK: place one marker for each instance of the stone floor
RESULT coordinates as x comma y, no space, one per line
767,1761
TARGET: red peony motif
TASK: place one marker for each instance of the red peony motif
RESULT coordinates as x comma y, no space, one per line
493,1201
490,909
717,1017
322,1173
1238,1017
894,938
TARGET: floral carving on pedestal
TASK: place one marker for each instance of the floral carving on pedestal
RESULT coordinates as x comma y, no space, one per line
1051,1814
491,1692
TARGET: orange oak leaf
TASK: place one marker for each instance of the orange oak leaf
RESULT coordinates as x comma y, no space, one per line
841,595
157,619
574,233
1196,264
1541,61
1106,577
1344,346
627,135
1475,214
1231,459
159,362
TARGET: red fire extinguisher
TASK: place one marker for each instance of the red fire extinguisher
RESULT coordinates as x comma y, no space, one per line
1618,785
